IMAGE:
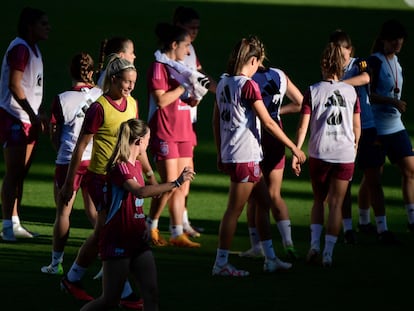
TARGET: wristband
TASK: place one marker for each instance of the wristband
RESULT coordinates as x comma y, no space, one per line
176,183
149,173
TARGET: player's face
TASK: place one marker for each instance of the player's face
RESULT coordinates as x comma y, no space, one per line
129,54
192,28
393,46
346,54
41,28
182,49
144,141
124,84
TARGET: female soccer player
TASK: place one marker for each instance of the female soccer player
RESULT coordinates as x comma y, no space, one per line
123,246
238,115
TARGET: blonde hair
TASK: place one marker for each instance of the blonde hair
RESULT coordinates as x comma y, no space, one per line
332,61
129,131
242,52
115,67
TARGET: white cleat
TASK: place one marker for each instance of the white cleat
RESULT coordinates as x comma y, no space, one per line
272,265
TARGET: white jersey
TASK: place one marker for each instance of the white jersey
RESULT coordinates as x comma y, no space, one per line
273,85
74,105
239,125
32,83
332,106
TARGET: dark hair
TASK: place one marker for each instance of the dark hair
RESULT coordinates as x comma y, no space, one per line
28,17
80,67
116,45
184,15
168,34
390,30
341,39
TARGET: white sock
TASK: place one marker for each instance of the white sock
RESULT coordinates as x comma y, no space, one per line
316,232
254,237
284,227
127,290
222,257
410,212
347,224
364,216
330,241
176,231
76,273
152,223
186,222
268,250
381,222
15,220
57,258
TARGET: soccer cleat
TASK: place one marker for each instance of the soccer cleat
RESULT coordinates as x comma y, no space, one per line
21,232
350,237
312,256
254,252
75,289
157,239
198,229
271,265
191,232
228,270
387,238
57,269
291,252
367,228
7,234
183,241
327,260
131,302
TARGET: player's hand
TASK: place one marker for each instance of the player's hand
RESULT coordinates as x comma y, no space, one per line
299,154
66,193
296,167
401,106
186,175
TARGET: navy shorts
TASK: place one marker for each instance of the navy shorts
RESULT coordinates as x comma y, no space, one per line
396,146
370,152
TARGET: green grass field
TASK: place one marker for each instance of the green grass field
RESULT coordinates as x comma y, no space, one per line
365,276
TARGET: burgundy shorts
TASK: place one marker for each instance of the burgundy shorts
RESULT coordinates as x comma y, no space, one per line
62,169
14,132
97,189
243,172
321,171
164,150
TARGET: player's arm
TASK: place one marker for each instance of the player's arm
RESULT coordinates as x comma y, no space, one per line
164,98
359,80
216,133
274,129
55,124
296,97
153,190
